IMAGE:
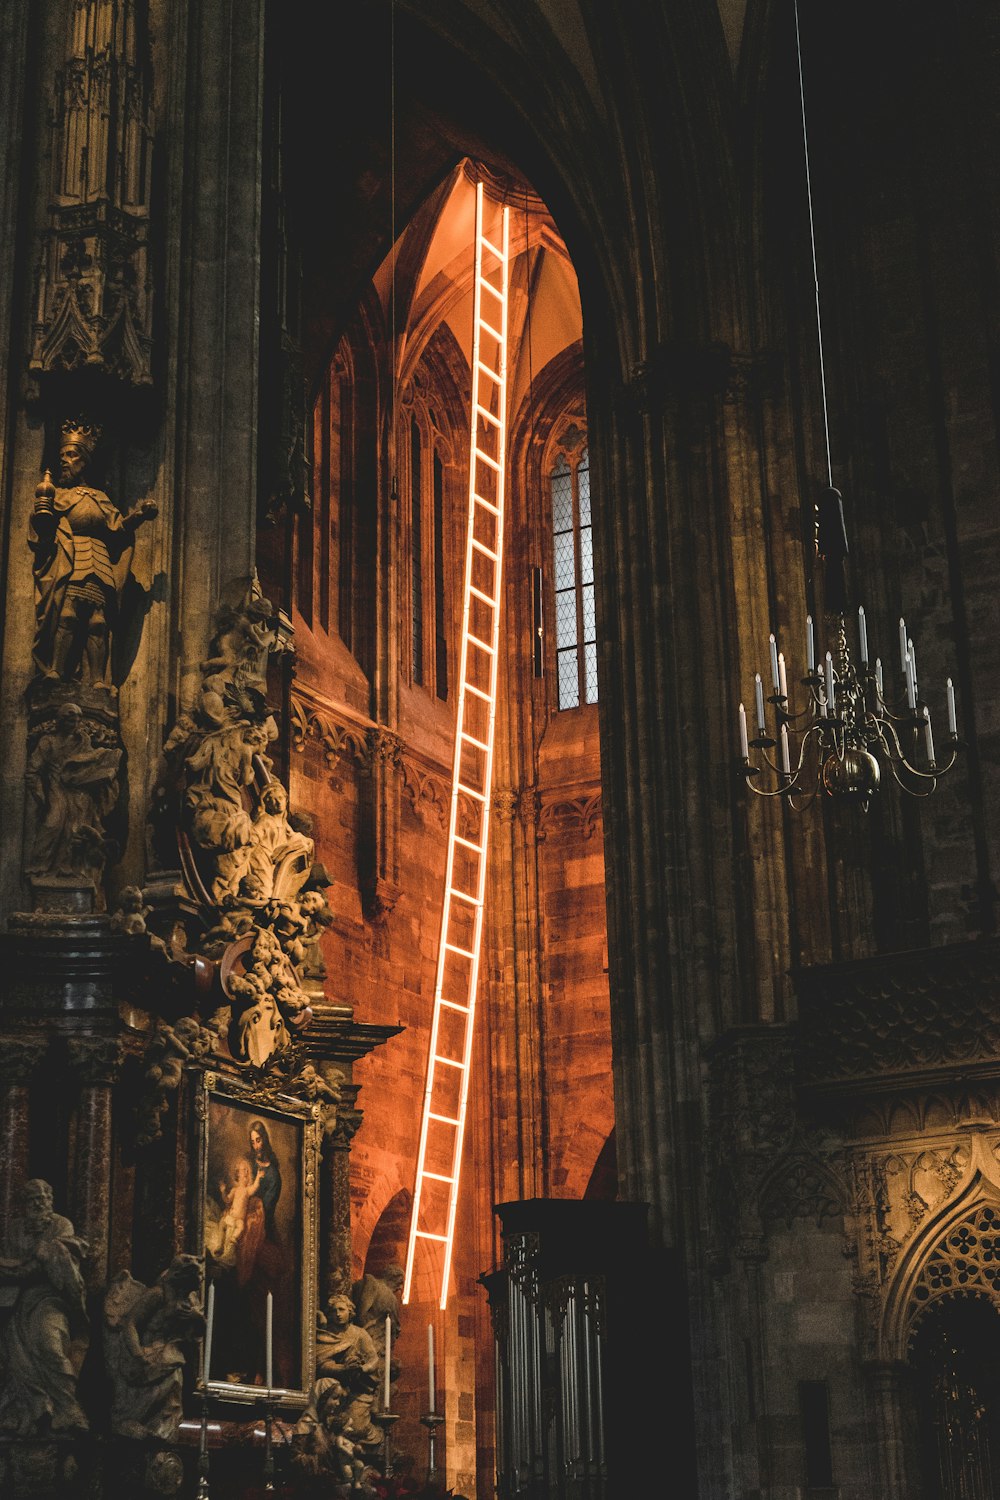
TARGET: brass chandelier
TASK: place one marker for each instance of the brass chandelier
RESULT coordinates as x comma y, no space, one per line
850,731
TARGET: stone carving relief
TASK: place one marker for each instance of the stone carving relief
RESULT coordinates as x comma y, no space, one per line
336,1436
581,815
375,1299
94,307
146,1330
72,783
46,1336
169,1049
246,859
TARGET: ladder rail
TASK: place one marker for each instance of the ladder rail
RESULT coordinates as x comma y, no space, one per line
470,899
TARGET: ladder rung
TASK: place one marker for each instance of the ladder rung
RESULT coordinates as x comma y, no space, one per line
479,744
437,1177
485,459
494,375
423,1234
490,288
471,791
488,245
454,948
486,598
448,1062
481,500
470,687
452,1005
487,416
488,328
466,896
443,1119
475,641
468,843
486,551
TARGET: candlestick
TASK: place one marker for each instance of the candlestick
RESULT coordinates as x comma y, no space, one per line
758,688
878,679
431,1405
911,682
785,762
829,681
268,1344
952,718
810,645
863,635
782,678
744,743
388,1357
902,644
206,1350
913,666
774,661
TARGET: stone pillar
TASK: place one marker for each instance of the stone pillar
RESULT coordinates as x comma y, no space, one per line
18,1059
379,873
95,1061
335,1198
887,1380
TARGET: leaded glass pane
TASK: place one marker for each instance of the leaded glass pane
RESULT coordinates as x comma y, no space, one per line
566,618
569,680
586,555
565,561
589,614
583,486
590,670
562,497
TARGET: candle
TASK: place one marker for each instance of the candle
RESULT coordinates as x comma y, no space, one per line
782,679
928,736
913,664
758,688
902,644
774,661
744,746
388,1357
952,719
810,645
863,635
206,1352
785,762
430,1366
878,679
268,1345
829,680
911,682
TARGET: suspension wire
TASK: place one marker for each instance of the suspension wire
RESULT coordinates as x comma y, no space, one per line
812,246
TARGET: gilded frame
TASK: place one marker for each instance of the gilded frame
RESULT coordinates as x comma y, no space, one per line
258,1233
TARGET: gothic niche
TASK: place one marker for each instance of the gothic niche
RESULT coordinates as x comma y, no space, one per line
255,908
81,546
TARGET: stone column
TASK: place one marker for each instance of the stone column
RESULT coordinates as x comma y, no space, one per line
379,873
888,1385
95,1061
18,1059
335,1198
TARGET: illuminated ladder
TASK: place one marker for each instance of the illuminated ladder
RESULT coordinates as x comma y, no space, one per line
442,1127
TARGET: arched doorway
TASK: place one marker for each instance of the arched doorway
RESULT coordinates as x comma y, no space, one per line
955,1357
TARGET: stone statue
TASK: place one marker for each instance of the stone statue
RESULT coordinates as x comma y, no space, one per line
45,1339
346,1353
74,785
281,856
375,1299
167,1051
322,1088
82,545
324,1442
145,1330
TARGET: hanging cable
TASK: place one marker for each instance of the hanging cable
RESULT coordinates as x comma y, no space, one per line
812,246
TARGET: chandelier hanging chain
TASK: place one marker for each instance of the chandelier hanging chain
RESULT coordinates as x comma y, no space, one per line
849,729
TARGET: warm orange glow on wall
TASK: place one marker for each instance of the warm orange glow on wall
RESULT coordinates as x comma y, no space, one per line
442,1128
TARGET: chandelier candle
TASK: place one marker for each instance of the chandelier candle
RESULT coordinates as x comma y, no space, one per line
758,688
862,635
388,1357
774,663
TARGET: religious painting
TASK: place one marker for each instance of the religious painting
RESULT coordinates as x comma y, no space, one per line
258,1236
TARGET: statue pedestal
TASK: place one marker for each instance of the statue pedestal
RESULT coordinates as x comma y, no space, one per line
64,895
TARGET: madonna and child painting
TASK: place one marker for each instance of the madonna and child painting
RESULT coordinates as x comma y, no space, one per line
253,1237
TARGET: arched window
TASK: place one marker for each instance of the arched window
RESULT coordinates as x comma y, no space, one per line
573,577
429,605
